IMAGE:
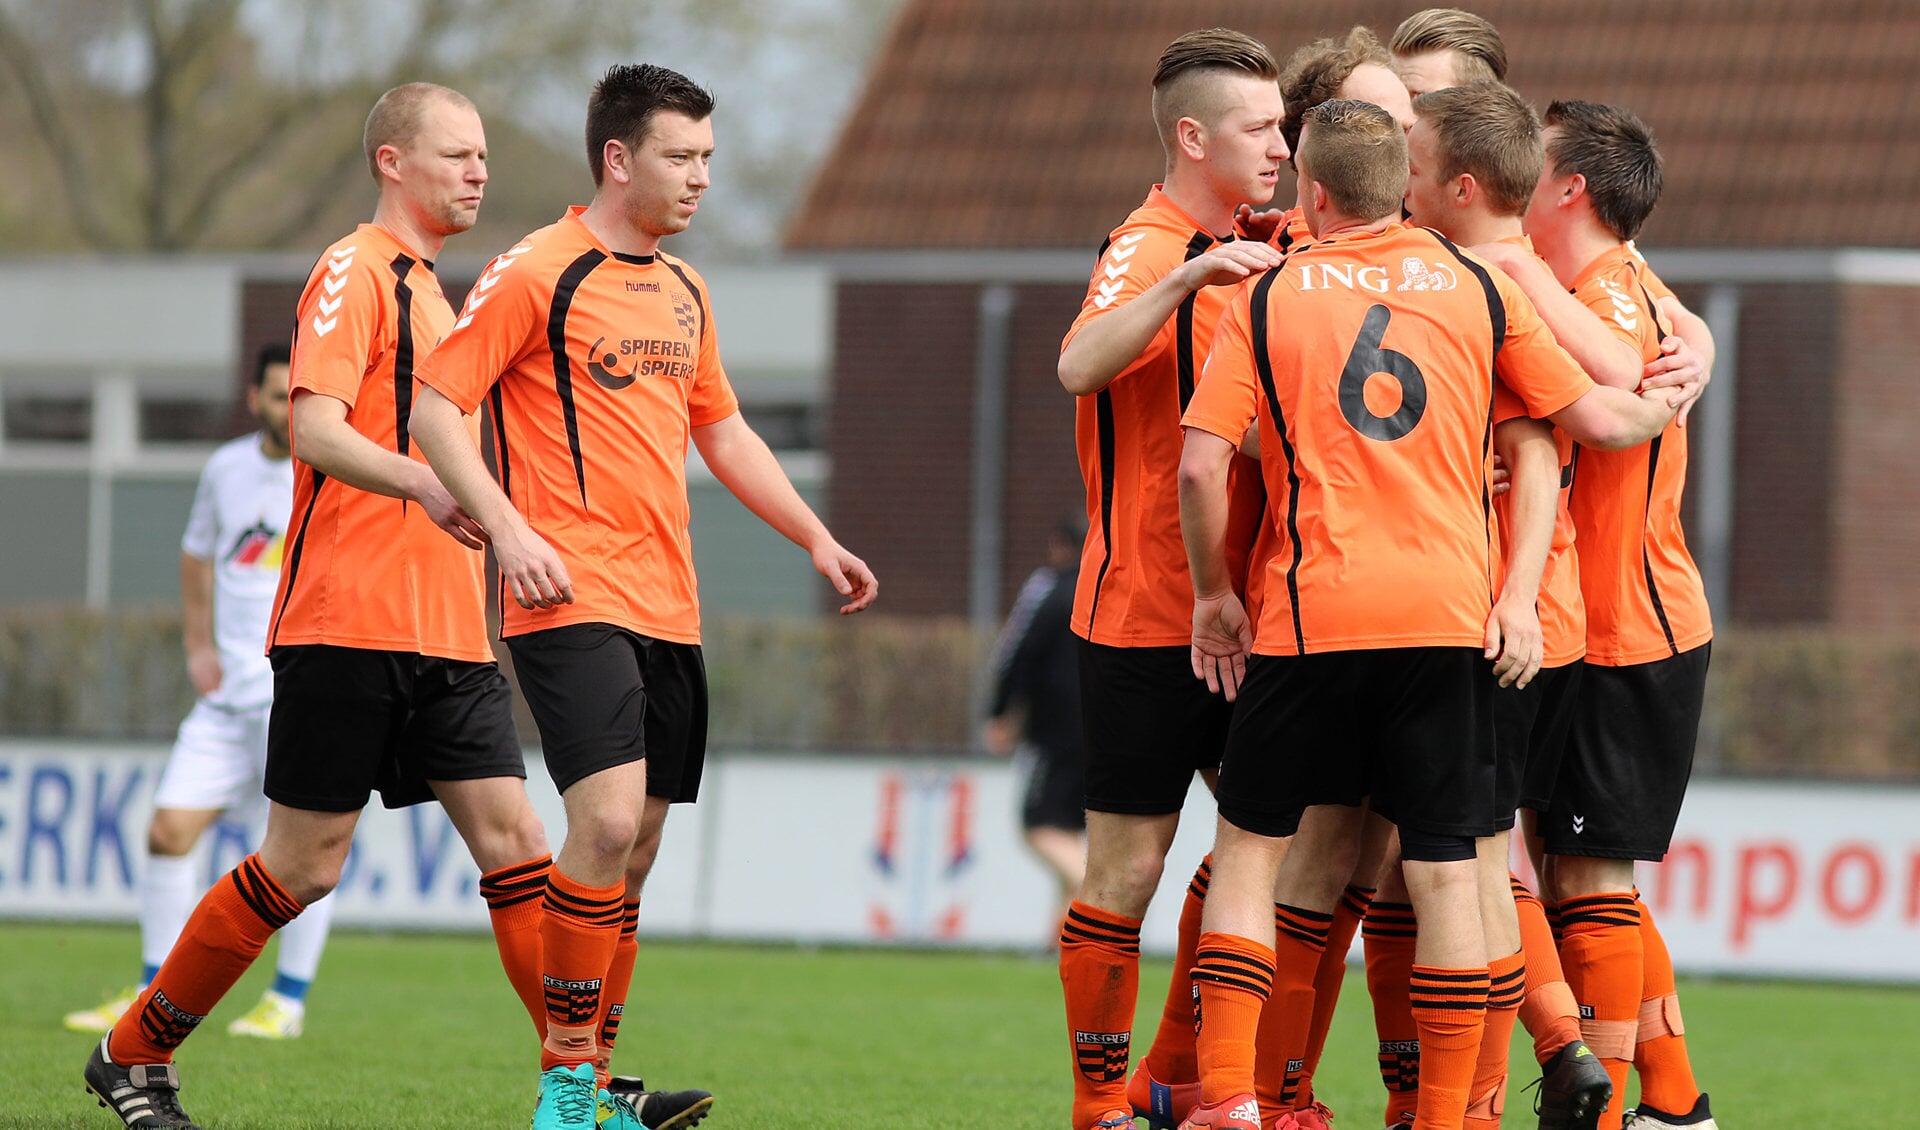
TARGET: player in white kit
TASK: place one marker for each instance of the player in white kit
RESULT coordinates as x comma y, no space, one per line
229,569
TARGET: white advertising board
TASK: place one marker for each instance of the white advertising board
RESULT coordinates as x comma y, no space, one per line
1783,879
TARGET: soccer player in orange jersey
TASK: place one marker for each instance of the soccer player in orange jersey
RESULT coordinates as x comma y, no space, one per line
1367,362
383,677
1474,159
598,353
1132,357
1649,630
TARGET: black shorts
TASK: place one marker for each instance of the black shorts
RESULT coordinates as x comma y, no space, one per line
1529,737
1150,725
1412,727
1629,756
604,696
348,720
1055,794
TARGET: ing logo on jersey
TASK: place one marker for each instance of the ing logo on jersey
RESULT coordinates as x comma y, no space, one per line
258,547
1417,274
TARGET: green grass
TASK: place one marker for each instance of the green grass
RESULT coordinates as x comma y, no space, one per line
421,1031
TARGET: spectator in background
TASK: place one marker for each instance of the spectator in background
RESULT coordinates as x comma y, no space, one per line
1035,710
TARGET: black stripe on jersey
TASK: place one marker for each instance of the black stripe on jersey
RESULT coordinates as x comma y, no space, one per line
1263,363
293,554
1197,245
1497,323
402,357
698,299
570,280
1103,423
1646,558
1653,463
502,461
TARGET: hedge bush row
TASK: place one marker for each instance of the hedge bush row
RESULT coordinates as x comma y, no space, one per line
1780,702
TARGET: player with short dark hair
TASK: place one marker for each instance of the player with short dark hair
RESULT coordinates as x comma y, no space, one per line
1132,357
1649,631
1364,363
383,676
598,355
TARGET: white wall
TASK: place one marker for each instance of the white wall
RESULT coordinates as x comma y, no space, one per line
1775,878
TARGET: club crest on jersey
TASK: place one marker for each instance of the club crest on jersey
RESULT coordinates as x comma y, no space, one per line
1102,1056
1417,274
683,309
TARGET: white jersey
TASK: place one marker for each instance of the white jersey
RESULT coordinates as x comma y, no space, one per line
239,523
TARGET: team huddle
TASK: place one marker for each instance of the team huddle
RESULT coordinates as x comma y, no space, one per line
1383,504
596,354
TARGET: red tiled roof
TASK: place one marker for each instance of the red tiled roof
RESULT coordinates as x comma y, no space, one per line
1024,123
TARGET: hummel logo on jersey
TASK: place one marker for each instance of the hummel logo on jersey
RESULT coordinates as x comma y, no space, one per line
1579,825
333,282
1117,265
489,278
1249,1111
1417,274
1625,312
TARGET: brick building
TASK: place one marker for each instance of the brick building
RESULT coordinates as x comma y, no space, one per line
998,141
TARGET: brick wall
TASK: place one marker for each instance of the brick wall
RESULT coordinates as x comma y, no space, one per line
900,431
1875,504
1043,474
1782,558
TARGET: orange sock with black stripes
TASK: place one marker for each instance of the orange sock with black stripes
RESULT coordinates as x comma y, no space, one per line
1450,1010
1327,980
1172,1058
514,906
1660,1053
1388,936
224,935
613,998
1232,977
578,935
1506,988
1286,1020
1548,1013
1100,977
1604,960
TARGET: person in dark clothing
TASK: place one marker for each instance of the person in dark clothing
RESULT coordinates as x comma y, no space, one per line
1034,713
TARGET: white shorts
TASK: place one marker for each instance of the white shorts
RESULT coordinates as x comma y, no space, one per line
217,760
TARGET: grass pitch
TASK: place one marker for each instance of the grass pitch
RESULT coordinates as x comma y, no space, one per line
416,1031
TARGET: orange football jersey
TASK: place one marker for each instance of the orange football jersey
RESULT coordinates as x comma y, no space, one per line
1643,592
1369,361
1563,614
597,366
364,570
1134,589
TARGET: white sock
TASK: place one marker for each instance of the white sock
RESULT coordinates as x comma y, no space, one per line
302,939
169,888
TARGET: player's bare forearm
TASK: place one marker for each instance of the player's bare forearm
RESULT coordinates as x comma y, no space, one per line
1204,462
1612,419
1527,448
196,623
747,467
1108,344
1597,349
438,427
1690,328
325,441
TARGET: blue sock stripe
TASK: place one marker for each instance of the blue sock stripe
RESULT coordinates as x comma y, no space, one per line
293,988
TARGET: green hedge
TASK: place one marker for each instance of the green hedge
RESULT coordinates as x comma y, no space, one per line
1792,702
